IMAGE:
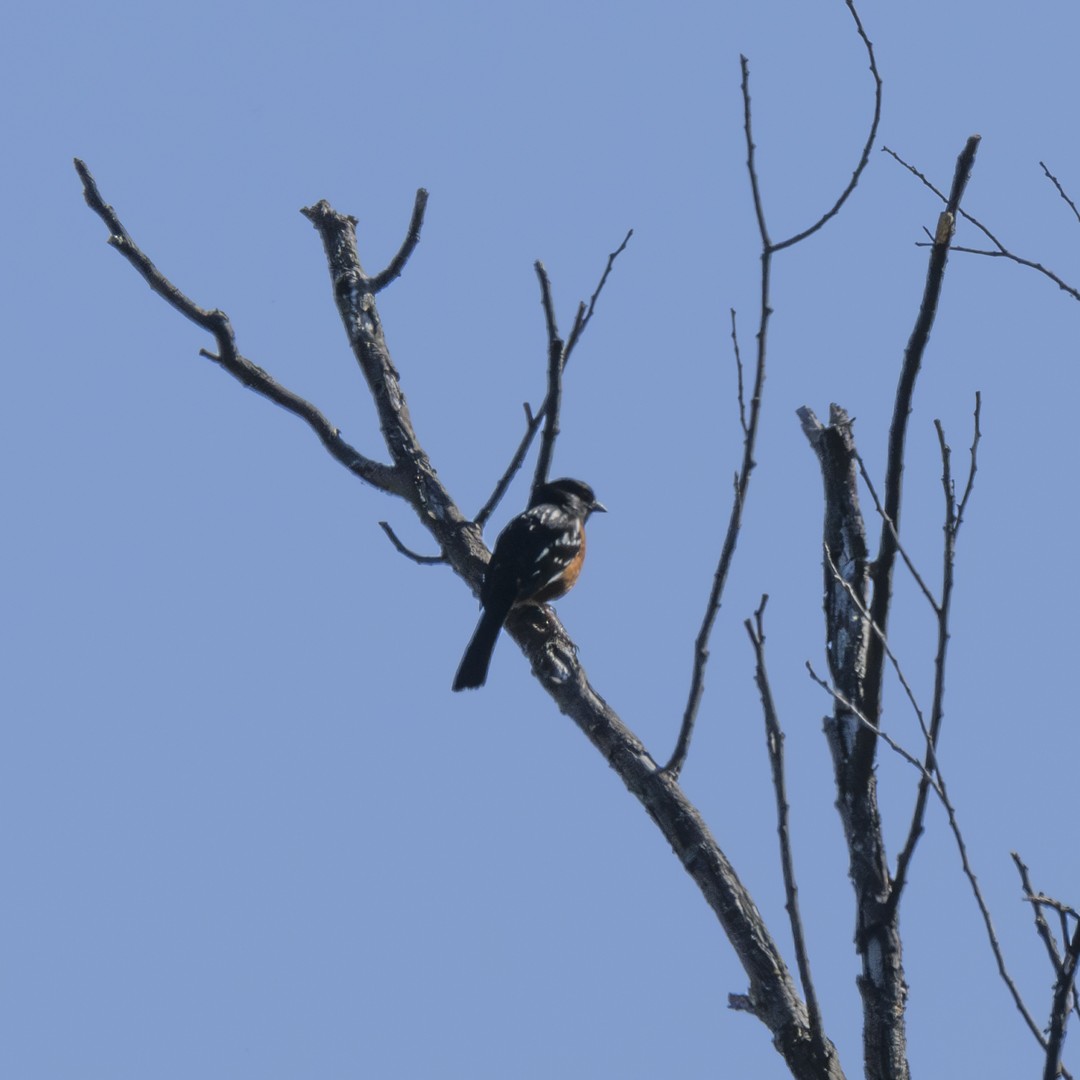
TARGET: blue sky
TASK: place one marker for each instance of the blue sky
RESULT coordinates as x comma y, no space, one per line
248,831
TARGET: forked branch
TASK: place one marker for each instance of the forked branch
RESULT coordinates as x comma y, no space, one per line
228,356
534,420
999,250
751,421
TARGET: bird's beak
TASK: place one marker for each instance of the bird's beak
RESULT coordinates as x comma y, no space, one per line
598,508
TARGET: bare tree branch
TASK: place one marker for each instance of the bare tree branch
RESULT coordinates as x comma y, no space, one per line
742,482
1064,992
973,467
897,669
534,421
1000,251
532,425
408,246
883,565
1064,911
422,560
1060,190
771,996
228,356
750,428
1064,286
942,793
546,300
864,159
585,314
353,292
917,577
937,706
553,400
739,374
1042,928
774,739
867,723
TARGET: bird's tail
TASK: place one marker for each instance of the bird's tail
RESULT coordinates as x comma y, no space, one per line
473,669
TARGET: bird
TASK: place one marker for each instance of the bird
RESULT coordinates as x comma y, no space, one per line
536,558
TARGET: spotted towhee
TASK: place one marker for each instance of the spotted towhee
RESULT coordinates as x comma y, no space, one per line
537,557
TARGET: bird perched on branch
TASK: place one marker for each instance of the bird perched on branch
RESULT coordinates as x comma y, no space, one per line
537,557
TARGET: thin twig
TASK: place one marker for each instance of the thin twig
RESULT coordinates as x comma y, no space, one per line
553,400
579,324
974,466
1001,251
585,316
546,300
887,521
423,560
866,723
774,739
864,611
1060,190
870,138
1064,286
739,373
751,164
408,246
1064,911
937,784
532,425
941,791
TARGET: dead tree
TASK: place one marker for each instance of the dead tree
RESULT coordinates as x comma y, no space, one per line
858,598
